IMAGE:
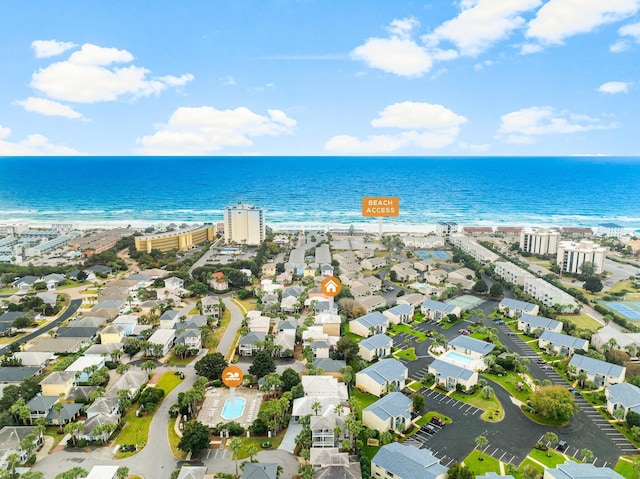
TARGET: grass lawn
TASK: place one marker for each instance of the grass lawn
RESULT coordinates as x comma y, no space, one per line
136,429
8,291
582,321
626,469
415,386
248,304
52,431
371,451
349,334
620,285
173,359
427,417
480,467
246,442
510,381
552,461
71,284
364,399
623,428
493,410
409,354
214,339
174,439
403,328
451,325
529,462
543,420
194,310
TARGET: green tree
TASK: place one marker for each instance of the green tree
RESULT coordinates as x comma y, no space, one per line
211,366
290,378
496,290
550,438
20,411
234,446
593,284
481,442
587,455
480,286
58,407
316,407
456,471
74,473
418,402
588,268
488,392
148,365
195,438
347,348
263,364
13,461
553,402
122,472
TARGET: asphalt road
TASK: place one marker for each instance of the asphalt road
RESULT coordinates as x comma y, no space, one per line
74,304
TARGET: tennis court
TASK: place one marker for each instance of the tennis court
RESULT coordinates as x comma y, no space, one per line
466,301
433,254
628,309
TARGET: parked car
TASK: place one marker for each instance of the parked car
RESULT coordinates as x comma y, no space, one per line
437,421
562,445
541,361
466,332
429,429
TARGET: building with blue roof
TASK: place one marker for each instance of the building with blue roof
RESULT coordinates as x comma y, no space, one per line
400,314
558,343
449,375
369,324
622,396
382,377
471,347
515,308
601,373
375,347
574,470
534,325
437,310
390,413
406,462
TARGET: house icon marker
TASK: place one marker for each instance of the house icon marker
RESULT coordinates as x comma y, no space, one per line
331,286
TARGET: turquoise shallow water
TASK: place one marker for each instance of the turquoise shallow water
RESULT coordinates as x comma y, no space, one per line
580,191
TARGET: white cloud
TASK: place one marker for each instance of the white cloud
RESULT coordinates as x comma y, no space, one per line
631,30
89,76
529,48
476,148
425,125
33,145
480,65
228,81
399,54
202,130
613,87
559,19
522,125
418,116
48,107
50,48
481,24
619,46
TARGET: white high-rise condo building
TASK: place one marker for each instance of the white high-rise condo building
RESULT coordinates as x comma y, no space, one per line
244,224
444,228
571,256
539,241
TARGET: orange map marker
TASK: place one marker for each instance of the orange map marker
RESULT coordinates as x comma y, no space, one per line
331,286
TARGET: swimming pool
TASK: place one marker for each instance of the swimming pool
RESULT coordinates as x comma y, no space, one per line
228,250
233,408
455,357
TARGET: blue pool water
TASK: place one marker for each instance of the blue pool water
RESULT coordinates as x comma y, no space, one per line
459,357
233,408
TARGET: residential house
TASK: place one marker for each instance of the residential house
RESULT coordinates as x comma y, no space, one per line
169,318
261,324
24,284
250,343
534,325
389,413
449,375
574,470
463,276
87,322
112,334
373,282
10,439
219,284
91,431
104,405
360,290
374,263
558,343
332,367
315,333
286,341
48,298
32,359
260,470
15,375
514,308
471,347
621,340
601,373
436,276
331,464
399,461
320,349
103,472
309,270
369,324
323,431
192,338
400,314
163,337
290,304
404,273
174,283
414,299
57,345
269,269
85,334
287,326
42,406
193,472
326,270
53,280
438,310
90,275
58,383
304,406
211,306
375,347
133,381
330,323
127,322
284,278
320,386
100,269
382,377
83,367
104,350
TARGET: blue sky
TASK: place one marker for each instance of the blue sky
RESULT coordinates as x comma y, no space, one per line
283,77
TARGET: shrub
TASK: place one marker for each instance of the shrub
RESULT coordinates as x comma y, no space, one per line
541,446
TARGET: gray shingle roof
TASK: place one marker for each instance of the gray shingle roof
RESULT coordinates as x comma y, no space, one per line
257,470
329,365
392,405
472,344
251,338
539,321
596,366
376,341
624,394
517,305
433,305
573,470
385,371
16,374
449,370
560,339
408,462
374,319
400,309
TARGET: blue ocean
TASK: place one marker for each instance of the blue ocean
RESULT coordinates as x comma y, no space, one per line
321,191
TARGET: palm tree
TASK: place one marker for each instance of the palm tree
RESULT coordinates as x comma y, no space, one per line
252,450
550,438
234,446
338,409
58,407
587,455
481,442
13,461
316,407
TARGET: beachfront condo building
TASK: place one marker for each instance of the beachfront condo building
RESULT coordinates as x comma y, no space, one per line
572,255
473,249
180,240
444,228
539,241
244,224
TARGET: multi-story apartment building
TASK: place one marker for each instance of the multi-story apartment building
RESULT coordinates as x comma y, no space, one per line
539,240
511,273
473,249
547,293
244,224
180,240
571,256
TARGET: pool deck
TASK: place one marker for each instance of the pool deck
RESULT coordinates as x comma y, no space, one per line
214,399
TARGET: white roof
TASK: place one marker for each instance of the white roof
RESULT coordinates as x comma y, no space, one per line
162,336
85,362
324,386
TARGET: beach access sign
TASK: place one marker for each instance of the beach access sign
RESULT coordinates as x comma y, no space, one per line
380,206
232,376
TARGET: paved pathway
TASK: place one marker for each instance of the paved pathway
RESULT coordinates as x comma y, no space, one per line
288,444
226,342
